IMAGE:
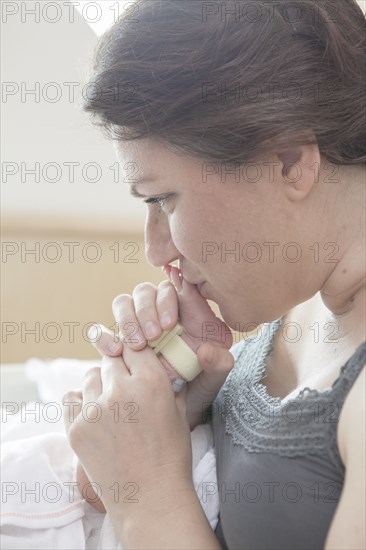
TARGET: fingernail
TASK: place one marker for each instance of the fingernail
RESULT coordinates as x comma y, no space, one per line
151,329
166,319
140,338
94,333
209,354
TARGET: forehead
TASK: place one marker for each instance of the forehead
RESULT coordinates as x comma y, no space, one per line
132,151
153,160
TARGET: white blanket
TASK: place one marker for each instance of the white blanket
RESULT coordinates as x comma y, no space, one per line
41,505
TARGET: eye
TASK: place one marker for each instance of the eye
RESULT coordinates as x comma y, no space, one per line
157,200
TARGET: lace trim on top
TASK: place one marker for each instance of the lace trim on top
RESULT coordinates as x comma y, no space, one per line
306,424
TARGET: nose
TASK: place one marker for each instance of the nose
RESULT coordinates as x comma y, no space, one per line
159,246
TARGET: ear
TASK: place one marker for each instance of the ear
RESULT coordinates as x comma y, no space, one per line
299,170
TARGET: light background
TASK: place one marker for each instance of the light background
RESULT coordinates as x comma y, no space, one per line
44,296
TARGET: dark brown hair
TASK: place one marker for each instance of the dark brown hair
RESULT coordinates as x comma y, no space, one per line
235,80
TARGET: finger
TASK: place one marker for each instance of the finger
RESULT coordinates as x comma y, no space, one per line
72,404
92,385
141,364
181,400
129,329
167,305
203,389
104,340
144,298
195,314
114,371
216,362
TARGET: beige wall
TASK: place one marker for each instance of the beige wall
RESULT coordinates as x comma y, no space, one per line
34,209
56,294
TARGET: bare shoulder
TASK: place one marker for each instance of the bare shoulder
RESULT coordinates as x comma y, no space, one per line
347,529
351,427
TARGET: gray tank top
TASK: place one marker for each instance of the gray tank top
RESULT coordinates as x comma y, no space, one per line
279,471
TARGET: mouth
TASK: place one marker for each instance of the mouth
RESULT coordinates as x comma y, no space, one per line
198,285
181,275
173,272
184,276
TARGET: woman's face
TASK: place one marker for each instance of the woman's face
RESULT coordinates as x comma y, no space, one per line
234,228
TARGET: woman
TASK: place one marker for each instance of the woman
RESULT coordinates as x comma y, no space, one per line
241,126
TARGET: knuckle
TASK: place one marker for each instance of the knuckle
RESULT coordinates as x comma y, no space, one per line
156,378
126,324
143,307
166,284
166,301
69,396
93,371
165,288
142,287
108,338
120,300
230,360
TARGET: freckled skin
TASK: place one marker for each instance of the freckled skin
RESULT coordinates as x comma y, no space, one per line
208,214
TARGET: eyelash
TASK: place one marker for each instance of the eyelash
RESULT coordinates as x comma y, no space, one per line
157,200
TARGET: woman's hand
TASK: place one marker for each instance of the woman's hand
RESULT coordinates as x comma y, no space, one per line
86,489
131,435
203,331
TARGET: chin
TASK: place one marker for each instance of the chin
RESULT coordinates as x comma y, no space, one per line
239,322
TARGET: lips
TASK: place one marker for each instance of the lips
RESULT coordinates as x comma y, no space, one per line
198,285
190,281
168,268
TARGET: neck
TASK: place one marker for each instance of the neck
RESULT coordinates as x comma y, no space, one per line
343,292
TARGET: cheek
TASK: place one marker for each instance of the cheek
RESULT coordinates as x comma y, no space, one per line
198,233
187,234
